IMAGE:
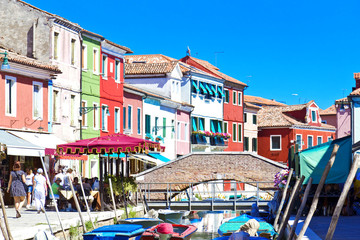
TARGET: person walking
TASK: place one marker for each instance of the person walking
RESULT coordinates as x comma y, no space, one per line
40,191
29,177
16,185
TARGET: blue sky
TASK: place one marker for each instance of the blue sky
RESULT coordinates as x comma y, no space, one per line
288,50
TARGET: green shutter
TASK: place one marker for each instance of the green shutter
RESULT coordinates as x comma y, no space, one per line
254,119
164,127
254,144
239,133
147,124
246,144
234,132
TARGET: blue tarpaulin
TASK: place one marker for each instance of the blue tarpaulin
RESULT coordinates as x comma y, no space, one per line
313,161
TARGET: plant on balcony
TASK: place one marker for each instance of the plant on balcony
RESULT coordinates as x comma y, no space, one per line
280,178
199,132
209,134
222,135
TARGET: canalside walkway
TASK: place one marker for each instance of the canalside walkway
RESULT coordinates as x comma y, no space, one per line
31,222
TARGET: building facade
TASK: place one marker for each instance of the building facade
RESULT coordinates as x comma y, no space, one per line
250,127
354,98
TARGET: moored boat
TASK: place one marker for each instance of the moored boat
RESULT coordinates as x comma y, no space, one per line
115,232
234,224
170,216
169,231
144,222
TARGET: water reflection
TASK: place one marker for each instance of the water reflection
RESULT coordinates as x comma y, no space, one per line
208,222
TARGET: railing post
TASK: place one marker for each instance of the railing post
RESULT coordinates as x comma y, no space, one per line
190,194
235,194
170,195
257,194
167,195
213,196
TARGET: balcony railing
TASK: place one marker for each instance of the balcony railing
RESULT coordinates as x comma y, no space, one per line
205,140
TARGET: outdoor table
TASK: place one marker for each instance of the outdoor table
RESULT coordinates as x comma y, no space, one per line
68,196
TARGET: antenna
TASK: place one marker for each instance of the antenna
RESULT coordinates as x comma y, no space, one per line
216,53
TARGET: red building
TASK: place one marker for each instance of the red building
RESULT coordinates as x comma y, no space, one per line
284,126
233,115
111,87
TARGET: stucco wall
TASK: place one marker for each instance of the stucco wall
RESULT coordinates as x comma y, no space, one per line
183,145
136,102
17,22
343,117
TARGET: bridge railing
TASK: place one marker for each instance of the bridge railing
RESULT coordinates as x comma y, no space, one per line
214,192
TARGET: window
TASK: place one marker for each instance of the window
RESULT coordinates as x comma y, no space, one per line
194,86
319,140
313,115
299,141
310,141
329,139
83,115
240,98
96,61
117,71
37,100
240,132
275,142
234,132
254,119
56,45
10,96
104,116
73,41
245,117
72,110
227,96
139,120
225,129
147,124
172,129
254,144
178,132
96,116
129,117
84,57
117,120
164,127
55,105
203,90
234,97
104,66
246,144
124,118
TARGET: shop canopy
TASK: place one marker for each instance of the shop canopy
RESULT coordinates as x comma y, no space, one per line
313,161
115,143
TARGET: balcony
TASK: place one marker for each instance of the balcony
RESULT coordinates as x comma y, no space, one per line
201,142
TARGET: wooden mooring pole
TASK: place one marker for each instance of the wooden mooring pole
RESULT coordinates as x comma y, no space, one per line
5,216
318,191
342,198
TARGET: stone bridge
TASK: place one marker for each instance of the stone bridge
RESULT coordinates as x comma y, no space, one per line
203,167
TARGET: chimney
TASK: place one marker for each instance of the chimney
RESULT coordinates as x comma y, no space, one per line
357,81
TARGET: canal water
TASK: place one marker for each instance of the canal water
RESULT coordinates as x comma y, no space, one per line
208,222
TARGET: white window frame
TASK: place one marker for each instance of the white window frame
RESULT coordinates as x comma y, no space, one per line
117,76
55,106
317,140
73,63
57,45
311,115
234,93
138,120
312,144
13,96
234,126
130,118
96,119
104,71
242,133
117,124
239,96
84,123
84,58
105,118
96,63
226,90
72,109
41,100
271,141
301,140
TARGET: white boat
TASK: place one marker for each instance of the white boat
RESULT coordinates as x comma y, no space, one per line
144,222
171,216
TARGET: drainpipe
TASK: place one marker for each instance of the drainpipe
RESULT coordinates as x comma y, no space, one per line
81,64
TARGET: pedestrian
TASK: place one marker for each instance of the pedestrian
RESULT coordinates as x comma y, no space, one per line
29,177
40,191
17,187
60,175
67,178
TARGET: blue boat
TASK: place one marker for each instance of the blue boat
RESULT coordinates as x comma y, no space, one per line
251,238
234,224
115,232
144,222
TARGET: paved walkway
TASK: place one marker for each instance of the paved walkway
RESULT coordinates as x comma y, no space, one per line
31,222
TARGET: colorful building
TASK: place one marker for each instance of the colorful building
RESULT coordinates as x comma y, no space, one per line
343,117
282,127
111,87
354,98
250,127
232,99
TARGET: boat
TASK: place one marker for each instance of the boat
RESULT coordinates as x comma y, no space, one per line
250,238
144,222
115,232
169,231
234,224
170,216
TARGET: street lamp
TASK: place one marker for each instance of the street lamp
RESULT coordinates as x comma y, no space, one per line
5,65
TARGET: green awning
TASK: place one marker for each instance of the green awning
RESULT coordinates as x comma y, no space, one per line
313,161
202,87
208,88
195,86
213,88
221,92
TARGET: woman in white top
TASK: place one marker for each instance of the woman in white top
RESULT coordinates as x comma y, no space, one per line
40,190
29,177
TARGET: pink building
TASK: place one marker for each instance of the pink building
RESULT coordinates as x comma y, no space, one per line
183,144
343,118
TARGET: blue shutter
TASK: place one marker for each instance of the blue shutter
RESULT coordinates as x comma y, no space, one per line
221,92
194,124
202,87
195,86
212,125
213,88
208,89
201,124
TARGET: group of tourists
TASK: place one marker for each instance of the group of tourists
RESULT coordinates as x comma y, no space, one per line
32,188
